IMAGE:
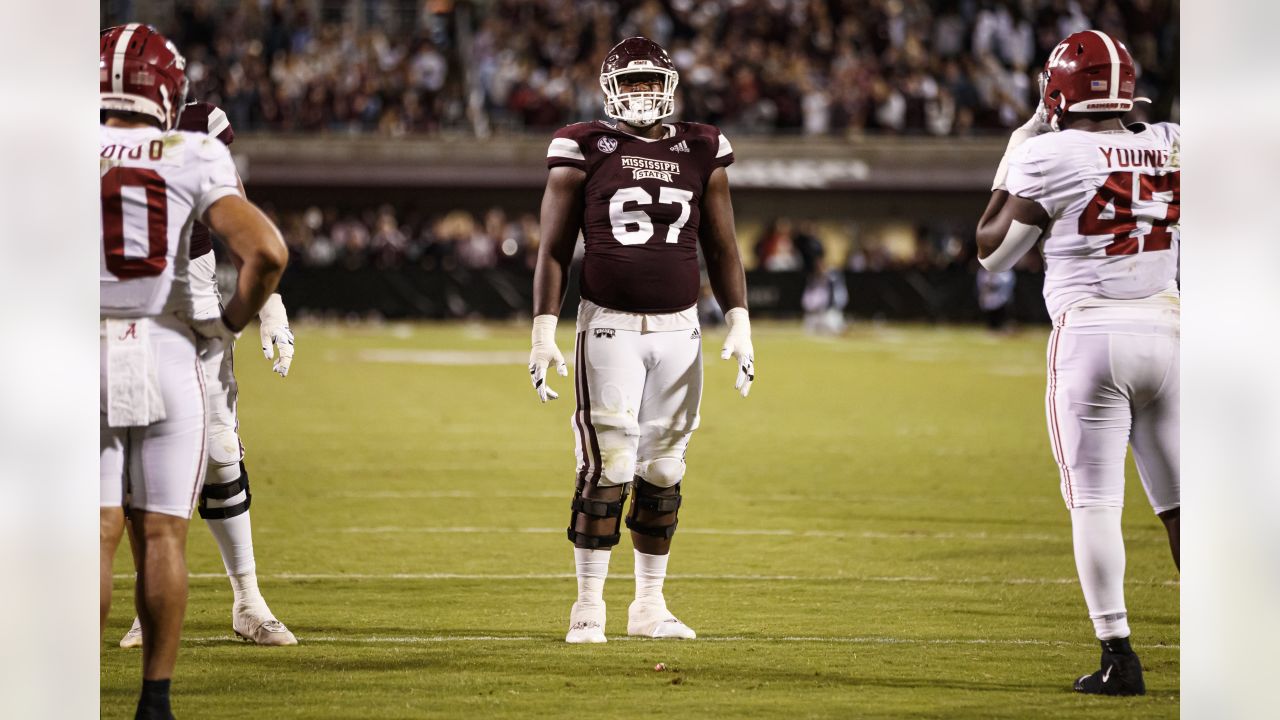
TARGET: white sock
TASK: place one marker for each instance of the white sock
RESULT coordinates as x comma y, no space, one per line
245,588
1099,547
651,570
593,568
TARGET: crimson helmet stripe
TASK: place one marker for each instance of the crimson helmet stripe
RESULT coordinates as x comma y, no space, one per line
1115,62
117,57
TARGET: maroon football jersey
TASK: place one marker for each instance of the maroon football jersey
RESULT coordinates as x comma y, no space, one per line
641,210
202,117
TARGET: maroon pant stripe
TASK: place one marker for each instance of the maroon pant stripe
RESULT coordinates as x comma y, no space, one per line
584,407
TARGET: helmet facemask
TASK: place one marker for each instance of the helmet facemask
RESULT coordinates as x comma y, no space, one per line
639,109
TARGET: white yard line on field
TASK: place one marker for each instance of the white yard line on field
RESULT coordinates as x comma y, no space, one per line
443,357
442,494
727,532
870,640
923,579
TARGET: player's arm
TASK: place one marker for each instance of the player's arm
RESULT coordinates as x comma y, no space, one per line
273,322
1012,224
559,225
1009,228
255,240
719,242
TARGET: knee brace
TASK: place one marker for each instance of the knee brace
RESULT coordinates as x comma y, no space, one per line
595,503
654,509
226,491
664,472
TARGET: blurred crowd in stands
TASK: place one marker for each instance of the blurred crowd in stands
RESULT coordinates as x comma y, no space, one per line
940,67
388,237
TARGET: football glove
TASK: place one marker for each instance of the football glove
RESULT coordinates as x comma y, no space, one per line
545,353
1037,125
273,329
738,345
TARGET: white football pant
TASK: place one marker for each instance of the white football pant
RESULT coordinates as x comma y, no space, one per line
160,466
1113,382
225,450
638,397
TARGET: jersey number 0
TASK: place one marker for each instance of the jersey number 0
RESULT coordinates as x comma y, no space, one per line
148,183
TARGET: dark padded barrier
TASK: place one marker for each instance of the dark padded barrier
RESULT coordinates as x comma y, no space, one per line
942,295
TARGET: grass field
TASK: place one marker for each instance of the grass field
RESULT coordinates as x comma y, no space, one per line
876,532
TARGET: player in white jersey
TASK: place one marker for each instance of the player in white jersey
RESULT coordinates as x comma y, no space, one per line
1105,199
155,183
225,497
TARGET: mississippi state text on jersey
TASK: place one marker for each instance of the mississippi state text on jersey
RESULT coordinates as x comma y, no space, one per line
203,117
641,212
1113,200
154,184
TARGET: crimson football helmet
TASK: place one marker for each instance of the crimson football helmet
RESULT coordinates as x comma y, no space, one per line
1088,72
140,71
638,55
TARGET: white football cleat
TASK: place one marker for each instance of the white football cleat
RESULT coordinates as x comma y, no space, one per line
646,618
133,638
586,624
260,627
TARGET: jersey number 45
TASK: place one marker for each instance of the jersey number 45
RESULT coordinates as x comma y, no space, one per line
1127,198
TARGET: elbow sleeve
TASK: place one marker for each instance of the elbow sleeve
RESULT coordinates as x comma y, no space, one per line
1019,238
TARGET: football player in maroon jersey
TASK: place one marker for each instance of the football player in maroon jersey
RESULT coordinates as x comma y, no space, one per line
224,498
645,195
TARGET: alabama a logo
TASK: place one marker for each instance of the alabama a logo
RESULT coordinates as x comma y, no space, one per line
607,145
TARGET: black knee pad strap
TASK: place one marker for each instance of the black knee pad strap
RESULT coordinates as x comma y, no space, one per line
650,501
596,509
222,492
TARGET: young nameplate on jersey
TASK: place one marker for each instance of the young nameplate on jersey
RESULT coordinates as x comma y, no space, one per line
156,181
1104,198
646,195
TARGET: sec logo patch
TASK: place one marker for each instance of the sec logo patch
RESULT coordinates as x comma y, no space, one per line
607,144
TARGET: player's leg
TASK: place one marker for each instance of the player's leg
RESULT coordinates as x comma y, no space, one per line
668,417
166,469
1089,423
111,464
609,377
1156,430
225,500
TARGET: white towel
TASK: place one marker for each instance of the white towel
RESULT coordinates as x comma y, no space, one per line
133,378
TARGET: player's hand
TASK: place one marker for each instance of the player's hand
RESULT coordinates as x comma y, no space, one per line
545,353
738,346
274,333
1038,124
214,328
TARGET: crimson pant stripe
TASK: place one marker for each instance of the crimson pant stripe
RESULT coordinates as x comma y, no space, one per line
585,397
203,463
1055,433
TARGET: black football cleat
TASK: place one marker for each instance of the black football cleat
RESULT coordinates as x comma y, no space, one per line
1120,674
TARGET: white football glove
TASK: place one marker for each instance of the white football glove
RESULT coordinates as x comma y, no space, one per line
738,345
1031,128
543,354
273,329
